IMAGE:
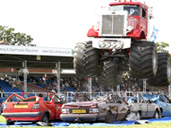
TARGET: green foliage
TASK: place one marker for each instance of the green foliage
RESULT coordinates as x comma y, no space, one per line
161,46
9,36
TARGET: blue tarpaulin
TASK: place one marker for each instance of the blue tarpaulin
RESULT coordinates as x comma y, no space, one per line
114,123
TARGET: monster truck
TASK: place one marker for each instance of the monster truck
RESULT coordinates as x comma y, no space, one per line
119,43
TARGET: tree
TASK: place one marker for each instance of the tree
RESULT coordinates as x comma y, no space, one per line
161,46
9,36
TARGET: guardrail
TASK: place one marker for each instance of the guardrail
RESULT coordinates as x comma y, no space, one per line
71,96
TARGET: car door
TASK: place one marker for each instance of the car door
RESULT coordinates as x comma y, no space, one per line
150,106
151,109
143,106
168,105
58,104
162,104
50,106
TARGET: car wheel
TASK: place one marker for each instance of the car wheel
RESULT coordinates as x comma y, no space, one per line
45,119
156,115
108,118
138,116
9,122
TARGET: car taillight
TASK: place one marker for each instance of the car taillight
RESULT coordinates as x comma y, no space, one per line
94,110
36,105
5,105
65,111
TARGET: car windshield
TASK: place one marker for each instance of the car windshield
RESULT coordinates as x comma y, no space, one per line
131,9
80,97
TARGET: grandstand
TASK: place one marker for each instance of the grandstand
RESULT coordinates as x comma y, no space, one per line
36,61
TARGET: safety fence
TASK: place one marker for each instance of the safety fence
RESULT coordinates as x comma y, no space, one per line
79,96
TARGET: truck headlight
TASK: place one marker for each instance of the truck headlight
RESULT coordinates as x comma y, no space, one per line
110,44
129,28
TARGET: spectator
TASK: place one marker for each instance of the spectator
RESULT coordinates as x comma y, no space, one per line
14,85
53,90
2,92
44,78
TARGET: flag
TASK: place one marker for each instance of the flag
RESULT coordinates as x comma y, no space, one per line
154,34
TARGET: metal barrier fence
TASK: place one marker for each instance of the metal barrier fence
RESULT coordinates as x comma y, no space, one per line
71,96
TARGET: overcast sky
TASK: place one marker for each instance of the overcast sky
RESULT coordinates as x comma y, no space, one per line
62,23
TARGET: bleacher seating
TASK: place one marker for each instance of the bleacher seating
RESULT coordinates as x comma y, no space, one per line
8,90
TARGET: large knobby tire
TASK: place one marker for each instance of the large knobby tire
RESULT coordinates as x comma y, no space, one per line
109,75
86,60
143,59
163,76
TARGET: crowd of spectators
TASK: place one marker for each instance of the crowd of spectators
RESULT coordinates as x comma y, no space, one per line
78,84
81,84
131,84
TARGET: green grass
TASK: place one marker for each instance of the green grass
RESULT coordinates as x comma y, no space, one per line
2,119
150,125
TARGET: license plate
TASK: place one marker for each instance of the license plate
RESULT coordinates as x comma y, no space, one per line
20,106
79,111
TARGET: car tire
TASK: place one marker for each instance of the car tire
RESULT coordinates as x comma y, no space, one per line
163,76
108,118
86,60
9,122
45,118
109,75
156,115
143,59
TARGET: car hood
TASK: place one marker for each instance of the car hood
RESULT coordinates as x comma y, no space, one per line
80,104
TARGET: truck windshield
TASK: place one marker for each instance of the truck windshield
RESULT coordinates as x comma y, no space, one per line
131,9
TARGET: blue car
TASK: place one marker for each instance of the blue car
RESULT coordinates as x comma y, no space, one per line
163,102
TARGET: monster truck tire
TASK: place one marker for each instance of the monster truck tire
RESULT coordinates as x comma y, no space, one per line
163,76
109,74
143,59
86,62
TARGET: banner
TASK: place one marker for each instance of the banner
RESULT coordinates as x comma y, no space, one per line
42,51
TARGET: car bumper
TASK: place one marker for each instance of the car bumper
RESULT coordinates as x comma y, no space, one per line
79,117
22,114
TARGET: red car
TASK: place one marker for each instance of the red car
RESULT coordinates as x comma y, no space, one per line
32,109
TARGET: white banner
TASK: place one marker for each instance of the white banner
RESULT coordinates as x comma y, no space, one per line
25,50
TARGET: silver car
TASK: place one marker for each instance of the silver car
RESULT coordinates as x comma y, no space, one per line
142,107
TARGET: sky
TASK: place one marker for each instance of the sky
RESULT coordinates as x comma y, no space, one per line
63,23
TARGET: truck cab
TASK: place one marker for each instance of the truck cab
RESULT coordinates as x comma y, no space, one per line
123,19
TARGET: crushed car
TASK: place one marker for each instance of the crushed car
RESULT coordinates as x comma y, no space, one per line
163,101
32,109
142,107
99,109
